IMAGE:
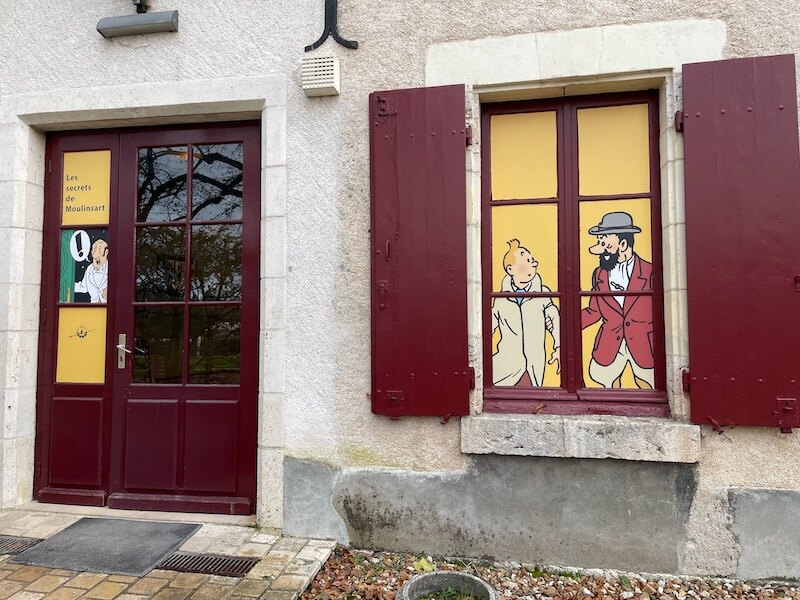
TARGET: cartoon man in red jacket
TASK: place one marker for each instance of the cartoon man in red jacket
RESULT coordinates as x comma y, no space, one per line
626,334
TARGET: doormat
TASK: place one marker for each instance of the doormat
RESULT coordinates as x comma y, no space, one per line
113,546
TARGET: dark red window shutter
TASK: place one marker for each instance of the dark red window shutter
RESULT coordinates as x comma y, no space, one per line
419,252
743,241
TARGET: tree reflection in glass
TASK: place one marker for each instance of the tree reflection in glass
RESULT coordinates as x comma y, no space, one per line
162,184
216,262
217,182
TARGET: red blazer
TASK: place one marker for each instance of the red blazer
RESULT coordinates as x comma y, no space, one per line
632,322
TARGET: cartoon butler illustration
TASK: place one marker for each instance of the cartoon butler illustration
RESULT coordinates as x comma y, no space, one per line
522,323
95,278
626,334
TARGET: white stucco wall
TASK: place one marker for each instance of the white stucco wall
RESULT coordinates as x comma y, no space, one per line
316,341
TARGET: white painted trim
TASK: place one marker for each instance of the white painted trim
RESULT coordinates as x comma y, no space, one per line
23,119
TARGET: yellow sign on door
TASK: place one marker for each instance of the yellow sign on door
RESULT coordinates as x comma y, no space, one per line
81,356
86,190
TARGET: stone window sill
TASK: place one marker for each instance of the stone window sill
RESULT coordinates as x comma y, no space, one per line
581,436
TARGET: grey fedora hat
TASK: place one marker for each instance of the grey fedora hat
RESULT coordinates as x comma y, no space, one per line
616,222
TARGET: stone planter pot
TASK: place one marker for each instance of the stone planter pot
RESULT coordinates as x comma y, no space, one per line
438,581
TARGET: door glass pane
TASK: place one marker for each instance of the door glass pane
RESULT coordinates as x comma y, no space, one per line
613,150
160,264
616,247
217,182
214,344
525,248
216,262
162,184
524,156
618,344
158,351
526,340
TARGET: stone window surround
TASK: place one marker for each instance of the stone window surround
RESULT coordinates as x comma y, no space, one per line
563,63
24,120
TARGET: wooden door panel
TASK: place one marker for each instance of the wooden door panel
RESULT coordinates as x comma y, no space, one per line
76,442
210,446
151,438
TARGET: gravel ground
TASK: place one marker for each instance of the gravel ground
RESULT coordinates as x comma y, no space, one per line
362,575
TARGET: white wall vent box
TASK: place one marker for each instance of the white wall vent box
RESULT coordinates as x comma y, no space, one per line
320,76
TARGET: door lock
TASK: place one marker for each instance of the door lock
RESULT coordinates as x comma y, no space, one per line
122,350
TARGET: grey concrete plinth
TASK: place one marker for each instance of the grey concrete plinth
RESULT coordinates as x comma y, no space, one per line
591,513
768,531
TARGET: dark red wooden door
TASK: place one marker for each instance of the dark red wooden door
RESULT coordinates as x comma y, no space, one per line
742,242
170,423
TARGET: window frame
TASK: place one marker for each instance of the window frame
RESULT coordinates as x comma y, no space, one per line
572,397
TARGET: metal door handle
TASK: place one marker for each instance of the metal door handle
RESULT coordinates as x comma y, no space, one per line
122,350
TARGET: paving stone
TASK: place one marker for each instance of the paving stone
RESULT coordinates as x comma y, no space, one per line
172,594
62,572
221,579
303,567
46,584
314,553
148,586
129,597
290,583
271,595
212,591
27,574
161,574
26,596
5,573
9,588
279,557
264,538
251,587
11,566
64,593
122,579
290,544
265,569
106,590
322,544
253,549
188,580
86,581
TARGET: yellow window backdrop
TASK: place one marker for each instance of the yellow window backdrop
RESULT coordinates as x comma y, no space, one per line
81,356
536,228
524,156
86,188
592,213
613,150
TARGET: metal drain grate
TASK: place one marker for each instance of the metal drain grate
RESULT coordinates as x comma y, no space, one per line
10,544
208,564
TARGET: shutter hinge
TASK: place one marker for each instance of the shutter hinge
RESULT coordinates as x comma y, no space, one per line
395,404
679,121
471,378
468,133
715,424
786,413
686,381
446,419
50,166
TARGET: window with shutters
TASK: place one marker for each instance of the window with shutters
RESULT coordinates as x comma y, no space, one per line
572,287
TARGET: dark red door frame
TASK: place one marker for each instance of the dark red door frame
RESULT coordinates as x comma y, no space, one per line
573,397
112,396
